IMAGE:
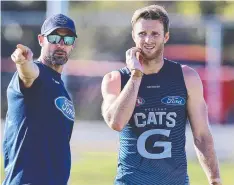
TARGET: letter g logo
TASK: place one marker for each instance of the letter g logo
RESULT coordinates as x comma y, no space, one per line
166,145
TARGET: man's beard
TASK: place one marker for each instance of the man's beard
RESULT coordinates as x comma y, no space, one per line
56,59
154,55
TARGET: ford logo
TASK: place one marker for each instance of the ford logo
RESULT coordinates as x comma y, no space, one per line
66,107
173,100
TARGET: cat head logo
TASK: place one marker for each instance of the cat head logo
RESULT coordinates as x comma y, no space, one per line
139,101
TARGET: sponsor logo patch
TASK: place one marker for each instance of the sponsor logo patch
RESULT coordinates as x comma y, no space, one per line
66,107
61,19
173,100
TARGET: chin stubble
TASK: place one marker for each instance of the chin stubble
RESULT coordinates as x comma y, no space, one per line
56,60
155,55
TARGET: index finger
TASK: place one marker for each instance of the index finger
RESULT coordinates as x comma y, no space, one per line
134,51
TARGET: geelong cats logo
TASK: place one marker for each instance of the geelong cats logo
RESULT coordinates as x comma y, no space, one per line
140,101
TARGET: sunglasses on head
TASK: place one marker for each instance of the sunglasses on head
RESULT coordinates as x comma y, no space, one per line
55,39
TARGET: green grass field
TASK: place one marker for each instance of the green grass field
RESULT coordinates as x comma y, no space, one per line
100,169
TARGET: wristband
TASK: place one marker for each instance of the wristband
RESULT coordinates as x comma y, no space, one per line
136,73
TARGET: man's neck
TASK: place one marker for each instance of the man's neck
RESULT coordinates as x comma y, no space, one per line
57,68
153,66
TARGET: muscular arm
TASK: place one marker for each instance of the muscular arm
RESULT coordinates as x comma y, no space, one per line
118,105
198,117
28,72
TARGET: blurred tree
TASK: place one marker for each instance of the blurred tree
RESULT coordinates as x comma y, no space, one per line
228,10
221,8
23,5
107,5
188,7
209,7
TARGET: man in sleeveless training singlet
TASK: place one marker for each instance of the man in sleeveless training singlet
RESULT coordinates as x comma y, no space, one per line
40,114
148,102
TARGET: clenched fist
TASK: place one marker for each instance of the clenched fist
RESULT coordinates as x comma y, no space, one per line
22,54
134,59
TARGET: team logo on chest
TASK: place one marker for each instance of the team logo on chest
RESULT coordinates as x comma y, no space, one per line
140,101
66,107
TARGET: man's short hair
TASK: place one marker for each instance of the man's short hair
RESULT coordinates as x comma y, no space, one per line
152,12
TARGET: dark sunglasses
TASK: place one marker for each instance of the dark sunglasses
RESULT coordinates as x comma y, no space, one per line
55,39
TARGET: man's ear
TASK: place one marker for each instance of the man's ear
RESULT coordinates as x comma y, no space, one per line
74,44
133,36
40,39
166,37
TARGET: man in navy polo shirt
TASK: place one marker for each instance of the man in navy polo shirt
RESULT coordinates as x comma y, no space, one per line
40,114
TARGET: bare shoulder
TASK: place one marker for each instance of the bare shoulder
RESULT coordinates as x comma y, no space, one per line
189,73
112,76
111,83
191,77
